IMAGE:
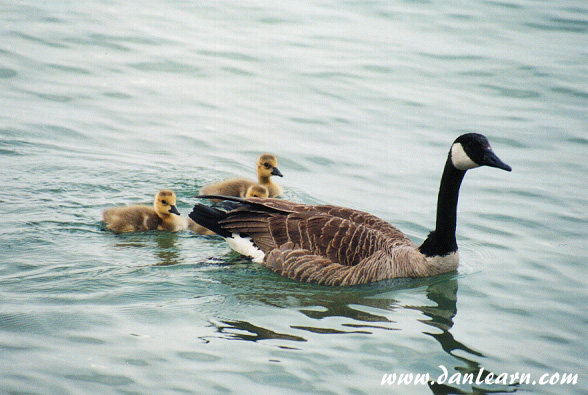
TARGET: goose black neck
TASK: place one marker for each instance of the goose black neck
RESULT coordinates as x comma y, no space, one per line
442,240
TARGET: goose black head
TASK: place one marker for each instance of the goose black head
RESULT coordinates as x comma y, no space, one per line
473,150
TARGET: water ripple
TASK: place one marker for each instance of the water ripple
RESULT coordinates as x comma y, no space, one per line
7,73
105,103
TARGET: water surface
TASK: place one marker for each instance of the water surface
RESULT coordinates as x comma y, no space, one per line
103,104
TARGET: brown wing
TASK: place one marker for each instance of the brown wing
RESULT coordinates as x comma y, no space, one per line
312,228
355,216
363,218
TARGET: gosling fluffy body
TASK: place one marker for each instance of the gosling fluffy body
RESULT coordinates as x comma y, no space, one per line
164,215
267,166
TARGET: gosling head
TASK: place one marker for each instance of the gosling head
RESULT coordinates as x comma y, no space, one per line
267,166
257,191
473,150
165,203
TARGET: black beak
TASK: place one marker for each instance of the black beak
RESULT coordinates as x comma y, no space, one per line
174,210
490,159
276,172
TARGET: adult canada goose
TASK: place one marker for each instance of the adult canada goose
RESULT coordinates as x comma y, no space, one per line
164,215
340,246
267,166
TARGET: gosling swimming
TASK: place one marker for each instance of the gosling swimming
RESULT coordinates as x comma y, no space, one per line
267,166
339,246
164,215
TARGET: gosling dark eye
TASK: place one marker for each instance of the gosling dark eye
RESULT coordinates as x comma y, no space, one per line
267,165
164,201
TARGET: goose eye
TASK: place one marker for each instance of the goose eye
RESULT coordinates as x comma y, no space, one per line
267,165
164,201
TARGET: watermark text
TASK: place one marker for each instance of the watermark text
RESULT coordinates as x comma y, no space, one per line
480,377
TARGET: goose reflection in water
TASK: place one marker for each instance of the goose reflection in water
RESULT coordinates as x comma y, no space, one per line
440,315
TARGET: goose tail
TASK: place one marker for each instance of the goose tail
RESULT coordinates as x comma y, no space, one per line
209,217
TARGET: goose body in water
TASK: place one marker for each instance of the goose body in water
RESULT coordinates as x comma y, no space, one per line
267,166
339,246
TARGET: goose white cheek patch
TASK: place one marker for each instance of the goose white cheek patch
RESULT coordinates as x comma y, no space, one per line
460,159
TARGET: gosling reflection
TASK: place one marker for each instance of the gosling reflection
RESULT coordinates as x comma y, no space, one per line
167,251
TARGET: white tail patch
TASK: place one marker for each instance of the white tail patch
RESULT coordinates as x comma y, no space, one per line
460,159
244,246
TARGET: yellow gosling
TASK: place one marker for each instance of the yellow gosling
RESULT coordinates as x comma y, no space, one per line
267,166
258,191
164,215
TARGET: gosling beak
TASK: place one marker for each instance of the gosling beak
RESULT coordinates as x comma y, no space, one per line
276,172
490,159
174,210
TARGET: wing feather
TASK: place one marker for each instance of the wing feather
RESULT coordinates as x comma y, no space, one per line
284,206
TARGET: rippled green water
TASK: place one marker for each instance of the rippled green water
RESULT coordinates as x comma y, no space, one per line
103,104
